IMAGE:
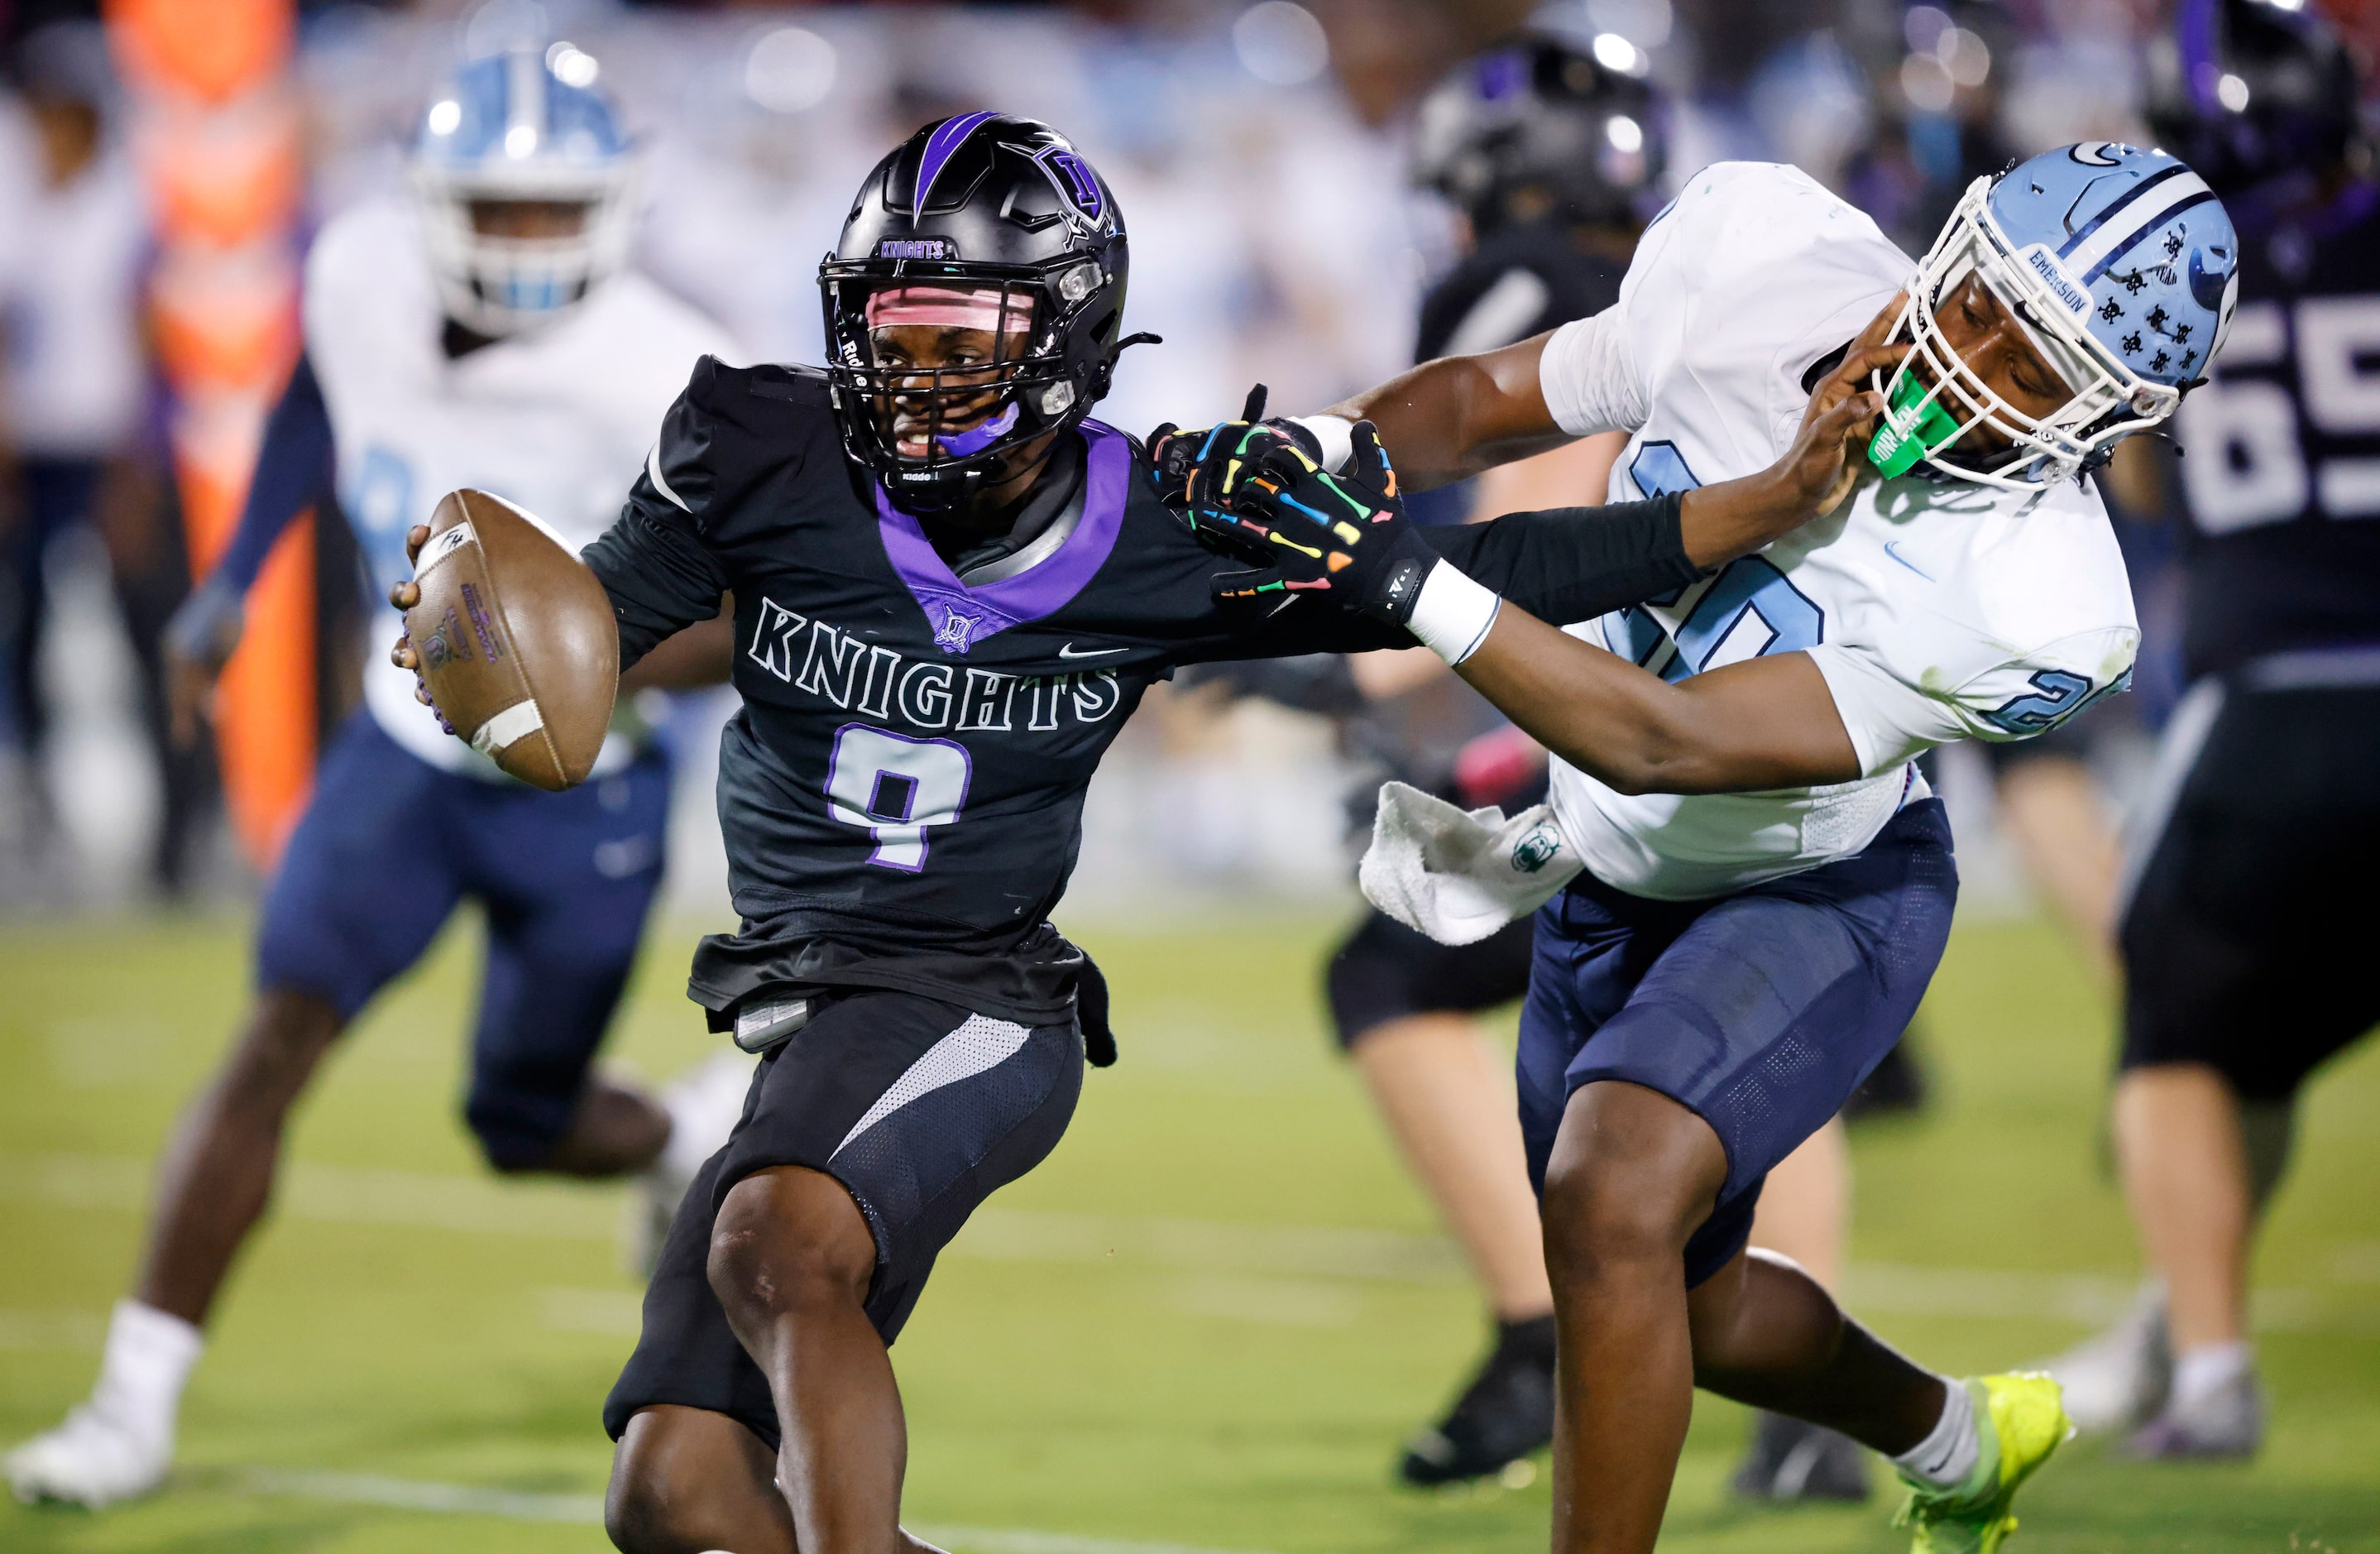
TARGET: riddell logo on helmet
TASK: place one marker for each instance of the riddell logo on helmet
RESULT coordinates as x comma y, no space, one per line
916,247
2068,291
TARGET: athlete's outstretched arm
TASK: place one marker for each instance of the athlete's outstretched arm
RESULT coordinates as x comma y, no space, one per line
1448,419
1453,417
1767,722
293,473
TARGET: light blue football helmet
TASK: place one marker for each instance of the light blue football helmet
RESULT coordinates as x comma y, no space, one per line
2122,268
509,128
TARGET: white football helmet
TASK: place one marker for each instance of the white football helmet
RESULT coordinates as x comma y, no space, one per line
508,131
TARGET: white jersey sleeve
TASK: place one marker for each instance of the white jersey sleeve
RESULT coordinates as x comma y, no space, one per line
1891,719
1588,378
1754,272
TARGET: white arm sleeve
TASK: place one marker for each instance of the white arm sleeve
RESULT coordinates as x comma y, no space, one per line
1589,377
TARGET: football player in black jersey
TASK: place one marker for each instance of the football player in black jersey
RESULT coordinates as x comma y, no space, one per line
951,589
2245,960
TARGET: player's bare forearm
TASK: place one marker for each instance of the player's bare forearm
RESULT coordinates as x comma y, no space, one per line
1768,722
1450,419
701,654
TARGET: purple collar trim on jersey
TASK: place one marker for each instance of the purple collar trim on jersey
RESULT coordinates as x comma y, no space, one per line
963,616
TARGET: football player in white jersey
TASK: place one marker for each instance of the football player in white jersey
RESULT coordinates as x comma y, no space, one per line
1751,884
483,334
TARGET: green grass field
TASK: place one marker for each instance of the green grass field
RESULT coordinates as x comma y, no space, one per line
1208,1321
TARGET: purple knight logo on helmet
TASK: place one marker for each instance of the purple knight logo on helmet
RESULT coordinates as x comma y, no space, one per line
1075,181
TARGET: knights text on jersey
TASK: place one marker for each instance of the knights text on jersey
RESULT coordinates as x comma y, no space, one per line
556,421
2283,477
1936,610
908,768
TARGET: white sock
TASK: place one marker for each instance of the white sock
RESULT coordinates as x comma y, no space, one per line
146,1366
2207,1369
1945,1458
703,1107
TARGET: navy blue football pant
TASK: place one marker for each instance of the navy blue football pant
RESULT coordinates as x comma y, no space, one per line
390,845
1760,1011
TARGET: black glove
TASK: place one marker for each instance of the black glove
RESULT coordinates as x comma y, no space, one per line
1197,473
1344,537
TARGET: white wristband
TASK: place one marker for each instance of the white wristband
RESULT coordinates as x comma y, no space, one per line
1335,434
1453,614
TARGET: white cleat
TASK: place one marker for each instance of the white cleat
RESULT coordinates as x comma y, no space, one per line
2227,1422
92,1460
704,1104
2118,1379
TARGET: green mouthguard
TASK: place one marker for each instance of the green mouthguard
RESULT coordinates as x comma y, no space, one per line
1909,434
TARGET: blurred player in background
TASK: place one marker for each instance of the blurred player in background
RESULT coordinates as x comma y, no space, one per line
482,335
2244,953
1759,883
73,403
1548,157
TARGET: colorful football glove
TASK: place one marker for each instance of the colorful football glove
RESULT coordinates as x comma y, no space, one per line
1344,537
1199,473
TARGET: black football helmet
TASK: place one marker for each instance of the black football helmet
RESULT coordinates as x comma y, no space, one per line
1537,127
2249,93
980,200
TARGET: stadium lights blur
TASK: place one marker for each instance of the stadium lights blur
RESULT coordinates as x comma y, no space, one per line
1616,52
572,65
1942,59
1924,27
790,70
1280,43
1926,84
445,116
1644,23
2233,92
1966,55
1627,137
520,140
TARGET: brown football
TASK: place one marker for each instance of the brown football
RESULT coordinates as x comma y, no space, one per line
515,640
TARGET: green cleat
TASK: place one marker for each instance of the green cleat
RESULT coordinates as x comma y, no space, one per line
2020,1420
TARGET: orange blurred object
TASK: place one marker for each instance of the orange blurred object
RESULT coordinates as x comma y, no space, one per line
216,136
265,718
222,175
214,50
226,320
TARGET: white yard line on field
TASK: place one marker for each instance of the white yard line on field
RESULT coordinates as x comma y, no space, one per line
1203,1248
51,1330
513,1505
409,1494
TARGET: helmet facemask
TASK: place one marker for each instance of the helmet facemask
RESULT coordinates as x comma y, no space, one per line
936,430
503,285
1935,399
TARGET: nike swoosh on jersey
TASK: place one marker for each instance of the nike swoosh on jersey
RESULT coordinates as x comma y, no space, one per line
1892,548
1068,652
